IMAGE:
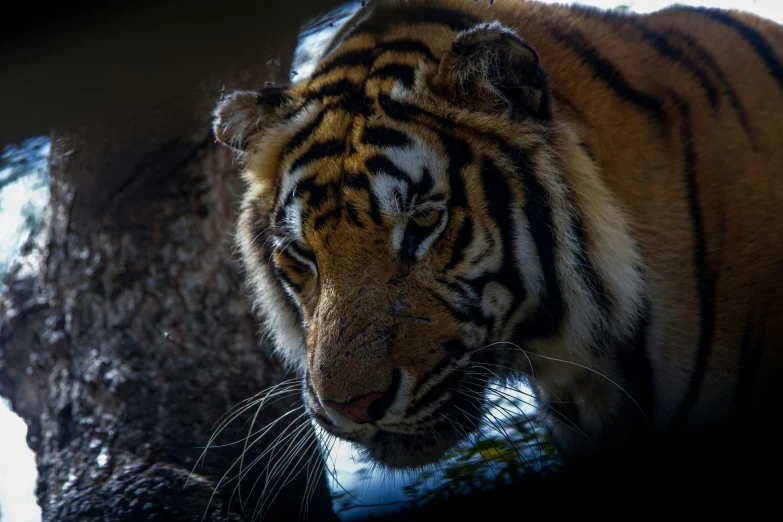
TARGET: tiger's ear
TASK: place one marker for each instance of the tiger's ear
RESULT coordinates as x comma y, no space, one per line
491,69
243,115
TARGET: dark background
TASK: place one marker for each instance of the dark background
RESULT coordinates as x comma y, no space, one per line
126,89
74,63
137,242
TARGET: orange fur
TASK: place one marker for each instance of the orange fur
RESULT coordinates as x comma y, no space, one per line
664,144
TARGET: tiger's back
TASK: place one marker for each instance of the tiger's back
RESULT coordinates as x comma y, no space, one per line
677,108
587,199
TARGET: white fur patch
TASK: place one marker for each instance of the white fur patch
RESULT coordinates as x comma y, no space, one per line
387,189
414,158
495,301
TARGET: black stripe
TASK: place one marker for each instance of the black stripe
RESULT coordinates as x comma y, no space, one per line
658,42
385,137
461,242
459,315
315,192
500,204
594,283
333,214
310,256
667,50
477,284
406,45
293,264
351,98
365,57
634,359
705,281
283,277
435,371
348,94
459,154
406,112
433,394
424,188
411,239
753,37
356,58
398,110
305,132
710,62
355,103
338,88
453,286
473,308
605,70
549,315
317,151
378,408
362,182
381,164
398,71
353,215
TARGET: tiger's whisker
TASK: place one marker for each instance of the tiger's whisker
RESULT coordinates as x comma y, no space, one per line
497,423
239,441
270,454
302,448
596,372
565,421
222,480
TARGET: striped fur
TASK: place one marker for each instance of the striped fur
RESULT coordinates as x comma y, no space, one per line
602,189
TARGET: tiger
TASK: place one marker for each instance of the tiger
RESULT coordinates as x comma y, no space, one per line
468,192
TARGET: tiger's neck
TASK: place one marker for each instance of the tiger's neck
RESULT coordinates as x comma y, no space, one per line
576,371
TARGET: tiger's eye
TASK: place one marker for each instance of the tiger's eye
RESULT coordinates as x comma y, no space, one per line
428,218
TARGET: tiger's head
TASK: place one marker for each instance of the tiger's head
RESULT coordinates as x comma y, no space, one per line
405,211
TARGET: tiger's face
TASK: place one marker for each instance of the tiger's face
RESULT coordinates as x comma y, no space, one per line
391,269
385,271
393,231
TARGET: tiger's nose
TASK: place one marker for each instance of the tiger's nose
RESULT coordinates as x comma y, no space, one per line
367,408
370,407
